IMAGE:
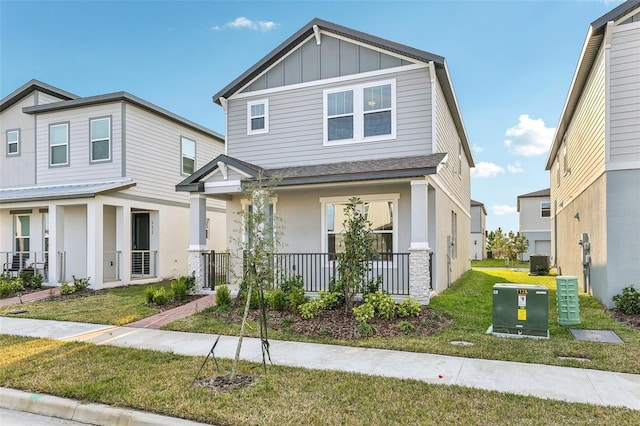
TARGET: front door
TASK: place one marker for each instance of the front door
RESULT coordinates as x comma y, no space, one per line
140,244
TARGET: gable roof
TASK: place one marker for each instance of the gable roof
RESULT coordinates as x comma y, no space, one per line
348,171
29,87
121,96
475,203
284,48
592,44
546,193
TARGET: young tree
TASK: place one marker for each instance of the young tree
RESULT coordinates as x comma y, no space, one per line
520,245
358,250
496,242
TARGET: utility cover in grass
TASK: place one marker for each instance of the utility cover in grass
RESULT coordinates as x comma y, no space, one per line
602,336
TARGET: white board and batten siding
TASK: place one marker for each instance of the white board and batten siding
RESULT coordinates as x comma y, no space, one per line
296,124
624,97
18,170
154,151
79,169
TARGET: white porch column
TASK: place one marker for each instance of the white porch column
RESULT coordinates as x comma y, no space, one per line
197,237
123,242
419,280
56,243
95,243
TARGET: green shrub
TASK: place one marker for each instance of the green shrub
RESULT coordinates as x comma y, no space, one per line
628,301
179,290
80,283
148,294
330,300
335,286
66,288
364,312
296,297
406,326
372,286
6,288
365,329
26,275
36,281
286,322
310,309
255,303
294,283
223,296
382,303
276,299
409,308
160,296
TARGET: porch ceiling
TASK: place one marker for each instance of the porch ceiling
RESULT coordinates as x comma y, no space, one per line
59,192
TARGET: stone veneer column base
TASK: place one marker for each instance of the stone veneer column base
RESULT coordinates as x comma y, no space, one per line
419,280
196,267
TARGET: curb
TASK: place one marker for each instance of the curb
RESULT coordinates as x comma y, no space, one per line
91,413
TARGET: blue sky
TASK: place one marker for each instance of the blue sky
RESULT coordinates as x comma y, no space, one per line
511,62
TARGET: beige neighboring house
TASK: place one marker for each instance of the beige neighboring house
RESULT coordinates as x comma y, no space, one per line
594,161
336,113
87,187
478,241
534,218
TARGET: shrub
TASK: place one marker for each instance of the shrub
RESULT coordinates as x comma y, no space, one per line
310,309
179,289
80,283
406,326
628,301
364,312
36,281
293,283
365,329
66,288
296,298
223,296
160,296
26,275
335,286
286,322
254,303
372,286
148,294
6,288
383,304
330,300
276,299
409,308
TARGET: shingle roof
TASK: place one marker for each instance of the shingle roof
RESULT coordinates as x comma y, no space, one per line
542,193
29,87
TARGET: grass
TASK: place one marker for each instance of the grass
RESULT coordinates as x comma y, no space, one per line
117,306
498,263
470,302
161,382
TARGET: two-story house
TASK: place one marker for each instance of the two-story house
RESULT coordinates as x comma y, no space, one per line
87,186
335,113
594,161
478,240
534,213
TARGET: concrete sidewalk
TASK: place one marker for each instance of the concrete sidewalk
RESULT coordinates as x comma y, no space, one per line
544,381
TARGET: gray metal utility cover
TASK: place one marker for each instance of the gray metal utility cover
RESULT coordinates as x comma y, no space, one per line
602,336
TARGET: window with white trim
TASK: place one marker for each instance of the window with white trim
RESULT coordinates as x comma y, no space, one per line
59,144
100,129
360,113
22,233
13,142
257,117
379,210
565,159
545,209
188,158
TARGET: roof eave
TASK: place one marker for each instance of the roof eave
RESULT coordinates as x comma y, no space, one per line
31,86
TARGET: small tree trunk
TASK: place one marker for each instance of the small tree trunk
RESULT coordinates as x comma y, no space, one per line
232,374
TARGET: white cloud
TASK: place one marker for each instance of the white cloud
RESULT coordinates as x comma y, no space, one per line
502,209
477,148
485,170
515,168
529,137
241,23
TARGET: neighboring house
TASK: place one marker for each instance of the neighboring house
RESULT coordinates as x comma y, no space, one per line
336,113
87,186
478,241
534,214
594,161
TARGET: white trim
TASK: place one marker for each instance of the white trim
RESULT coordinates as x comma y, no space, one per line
225,187
265,129
183,156
435,181
66,144
92,140
623,165
358,113
328,81
543,202
317,34
607,93
16,142
434,115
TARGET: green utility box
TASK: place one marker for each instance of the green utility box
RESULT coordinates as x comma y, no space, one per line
520,310
568,301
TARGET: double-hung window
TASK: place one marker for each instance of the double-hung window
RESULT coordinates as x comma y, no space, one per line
59,144
257,117
13,142
100,139
545,209
22,229
188,158
360,113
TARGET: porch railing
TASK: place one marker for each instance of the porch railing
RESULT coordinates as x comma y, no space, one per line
143,263
111,266
15,262
217,270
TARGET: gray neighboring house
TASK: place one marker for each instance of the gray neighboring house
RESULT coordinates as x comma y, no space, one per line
594,161
336,113
87,186
534,217
478,241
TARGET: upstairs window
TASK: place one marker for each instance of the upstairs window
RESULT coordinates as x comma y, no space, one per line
59,144
100,139
13,142
257,117
545,209
360,113
188,156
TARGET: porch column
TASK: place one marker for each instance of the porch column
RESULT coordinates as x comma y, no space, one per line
56,242
95,244
419,280
123,243
197,237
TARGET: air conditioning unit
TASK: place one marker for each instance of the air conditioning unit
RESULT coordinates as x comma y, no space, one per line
520,310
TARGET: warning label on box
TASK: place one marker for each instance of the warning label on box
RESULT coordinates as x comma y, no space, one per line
522,300
522,314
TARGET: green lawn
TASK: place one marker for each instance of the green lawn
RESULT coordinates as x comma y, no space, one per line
161,382
499,263
117,306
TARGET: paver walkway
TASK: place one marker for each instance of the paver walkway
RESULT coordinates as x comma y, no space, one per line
158,320
30,297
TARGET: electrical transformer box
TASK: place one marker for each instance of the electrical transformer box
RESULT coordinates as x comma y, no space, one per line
520,310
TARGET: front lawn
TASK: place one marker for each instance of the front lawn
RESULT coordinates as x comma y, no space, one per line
499,263
161,382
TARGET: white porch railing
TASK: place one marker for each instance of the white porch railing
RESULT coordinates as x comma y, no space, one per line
143,263
15,262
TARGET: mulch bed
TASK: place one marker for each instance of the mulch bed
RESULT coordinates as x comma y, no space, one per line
630,320
224,384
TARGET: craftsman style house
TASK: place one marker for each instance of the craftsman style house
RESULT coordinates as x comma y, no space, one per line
334,113
87,186
594,161
534,212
